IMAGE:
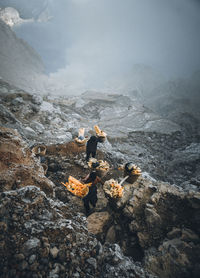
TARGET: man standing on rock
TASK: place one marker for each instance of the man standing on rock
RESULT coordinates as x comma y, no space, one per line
91,147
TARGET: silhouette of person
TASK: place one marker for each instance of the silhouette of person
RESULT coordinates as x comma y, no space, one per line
91,197
91,147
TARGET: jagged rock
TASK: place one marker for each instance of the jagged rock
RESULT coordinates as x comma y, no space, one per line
54,252
151,212
111,235
18,166
175,257
174,233
6,115
153,219
189,236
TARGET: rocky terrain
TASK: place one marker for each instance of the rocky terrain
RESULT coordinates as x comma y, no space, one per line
42,236
153,231
166,148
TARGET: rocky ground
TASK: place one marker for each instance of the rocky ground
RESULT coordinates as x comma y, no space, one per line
166,148
152,231
42,236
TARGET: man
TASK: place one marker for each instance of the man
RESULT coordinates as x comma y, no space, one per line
91,197
91,147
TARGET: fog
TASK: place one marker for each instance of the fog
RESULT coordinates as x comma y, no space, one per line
104,44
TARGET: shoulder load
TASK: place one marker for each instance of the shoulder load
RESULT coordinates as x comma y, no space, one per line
98,164
113,189
81,140
132,169
99,133
76,187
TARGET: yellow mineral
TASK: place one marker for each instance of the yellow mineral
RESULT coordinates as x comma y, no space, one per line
113,188
76,187
99,132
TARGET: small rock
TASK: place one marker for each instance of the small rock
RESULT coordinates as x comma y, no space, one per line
32,259
23,265
54,252
188,235
36,99
76,275
133,226
174,233
19,257
17,101
92,262
31,244
111,235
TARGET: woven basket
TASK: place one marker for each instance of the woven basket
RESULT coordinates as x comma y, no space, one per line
131,178
80,142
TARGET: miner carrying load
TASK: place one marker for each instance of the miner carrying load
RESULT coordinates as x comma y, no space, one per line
91,147
91,197
86,189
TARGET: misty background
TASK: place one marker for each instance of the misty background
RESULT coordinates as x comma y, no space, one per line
111,45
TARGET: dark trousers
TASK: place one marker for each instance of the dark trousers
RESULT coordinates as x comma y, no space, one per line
91,198
87,203
88,155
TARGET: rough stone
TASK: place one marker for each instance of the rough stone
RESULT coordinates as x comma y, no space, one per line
18,167
111,235
54,252
174,233
98,222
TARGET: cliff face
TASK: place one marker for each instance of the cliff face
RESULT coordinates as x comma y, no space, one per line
20,64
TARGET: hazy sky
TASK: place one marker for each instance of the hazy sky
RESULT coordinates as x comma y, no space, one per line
165,34
98,40
107,37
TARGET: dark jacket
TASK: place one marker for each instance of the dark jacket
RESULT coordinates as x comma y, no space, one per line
94,179
92,144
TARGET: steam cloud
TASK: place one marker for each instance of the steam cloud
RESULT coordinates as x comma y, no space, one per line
100,42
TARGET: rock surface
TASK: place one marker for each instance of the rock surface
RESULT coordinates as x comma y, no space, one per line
18,166
98,222
164,221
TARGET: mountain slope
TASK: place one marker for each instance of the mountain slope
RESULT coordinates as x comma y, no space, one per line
20,64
